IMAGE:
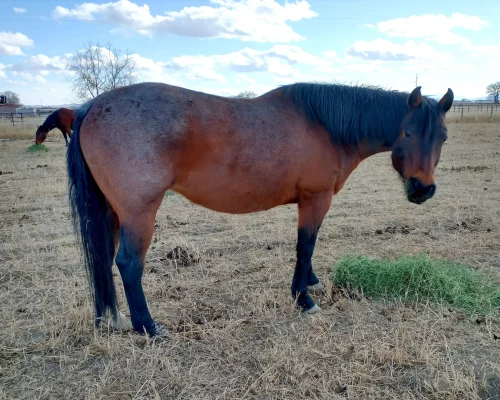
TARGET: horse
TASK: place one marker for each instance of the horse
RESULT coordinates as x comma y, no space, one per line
296,144
62,119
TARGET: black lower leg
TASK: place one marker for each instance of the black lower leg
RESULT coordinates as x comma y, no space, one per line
128,260
66,139
312,279
303,269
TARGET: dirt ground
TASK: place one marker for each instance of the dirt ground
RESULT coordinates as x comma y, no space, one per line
234,333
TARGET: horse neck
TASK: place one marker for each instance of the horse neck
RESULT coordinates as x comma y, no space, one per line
369,146
50,123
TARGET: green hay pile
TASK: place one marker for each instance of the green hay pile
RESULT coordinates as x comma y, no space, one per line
37,147
420,278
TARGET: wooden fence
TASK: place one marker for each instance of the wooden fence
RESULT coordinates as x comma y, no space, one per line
18,118
485,109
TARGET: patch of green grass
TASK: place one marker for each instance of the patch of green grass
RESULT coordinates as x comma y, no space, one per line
37,147
420,278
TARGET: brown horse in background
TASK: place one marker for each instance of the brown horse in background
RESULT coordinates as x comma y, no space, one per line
62,119
295,144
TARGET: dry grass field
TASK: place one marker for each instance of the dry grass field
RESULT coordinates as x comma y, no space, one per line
234,333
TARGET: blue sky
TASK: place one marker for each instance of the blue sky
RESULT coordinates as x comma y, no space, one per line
227,46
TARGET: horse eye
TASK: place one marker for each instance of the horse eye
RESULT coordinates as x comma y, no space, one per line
407,134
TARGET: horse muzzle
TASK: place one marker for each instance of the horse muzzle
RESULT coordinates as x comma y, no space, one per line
417,192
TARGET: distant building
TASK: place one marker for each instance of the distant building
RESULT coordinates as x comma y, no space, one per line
8,108
27,110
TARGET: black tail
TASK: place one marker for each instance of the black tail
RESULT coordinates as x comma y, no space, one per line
91,222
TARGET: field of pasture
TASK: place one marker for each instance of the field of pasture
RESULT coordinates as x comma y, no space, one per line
233,330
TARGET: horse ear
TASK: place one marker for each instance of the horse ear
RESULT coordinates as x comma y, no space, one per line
447,100
415,98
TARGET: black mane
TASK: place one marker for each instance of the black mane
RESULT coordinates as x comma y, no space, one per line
51,121
353,113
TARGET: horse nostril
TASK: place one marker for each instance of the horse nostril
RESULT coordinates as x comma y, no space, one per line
431,190
413,184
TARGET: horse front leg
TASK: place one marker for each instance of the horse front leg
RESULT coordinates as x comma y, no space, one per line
312,210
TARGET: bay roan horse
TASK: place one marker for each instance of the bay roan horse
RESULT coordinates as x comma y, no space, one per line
62,119
294,144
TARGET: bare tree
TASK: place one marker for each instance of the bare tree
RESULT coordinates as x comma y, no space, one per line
246,95
12,98
98,69
493,91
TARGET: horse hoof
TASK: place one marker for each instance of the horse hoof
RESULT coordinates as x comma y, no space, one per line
122,323
317,287
313,310
158,331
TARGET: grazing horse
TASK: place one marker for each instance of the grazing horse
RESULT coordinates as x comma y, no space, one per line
62,119
294,144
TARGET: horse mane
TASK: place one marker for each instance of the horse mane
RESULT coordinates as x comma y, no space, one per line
352,114
51,121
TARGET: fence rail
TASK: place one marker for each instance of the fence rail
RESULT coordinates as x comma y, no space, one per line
18,118
484,109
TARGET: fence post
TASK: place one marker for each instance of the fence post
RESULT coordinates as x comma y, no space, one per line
22,119
462,116
491,114
12,119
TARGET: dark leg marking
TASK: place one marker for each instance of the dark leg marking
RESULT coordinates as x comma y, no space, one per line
130,265
304,275
312,279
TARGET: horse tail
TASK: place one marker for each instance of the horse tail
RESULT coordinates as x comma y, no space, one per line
92,223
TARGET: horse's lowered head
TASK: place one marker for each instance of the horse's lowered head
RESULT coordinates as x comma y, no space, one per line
41,134
417,149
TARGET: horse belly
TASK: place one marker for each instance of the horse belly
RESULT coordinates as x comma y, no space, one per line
236,193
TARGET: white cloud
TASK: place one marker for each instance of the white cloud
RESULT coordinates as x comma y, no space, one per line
247,20
41,64
489,55
11,43
437,68
330,54
16,83
153,71
483,51
433,27
207,74
19,10
2,74
279,60
384,50
30,77
182,62
367,68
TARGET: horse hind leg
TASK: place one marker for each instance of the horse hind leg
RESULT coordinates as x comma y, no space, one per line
136,232
119,321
